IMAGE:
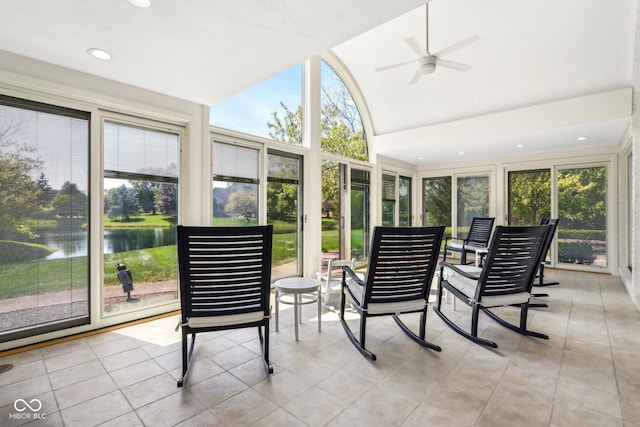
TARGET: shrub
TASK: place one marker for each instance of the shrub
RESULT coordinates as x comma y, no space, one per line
575,253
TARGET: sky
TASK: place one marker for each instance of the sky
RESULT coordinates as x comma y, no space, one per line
249,111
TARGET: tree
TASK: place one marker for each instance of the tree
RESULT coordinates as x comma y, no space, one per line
282,200
437,201
529,197
122,203
341,135
144,193
70,202
167,198
242,203
582,198
18,192
46,192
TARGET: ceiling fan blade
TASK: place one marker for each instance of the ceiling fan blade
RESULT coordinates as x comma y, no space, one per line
415,46
389,67
452,64
462,43
415,77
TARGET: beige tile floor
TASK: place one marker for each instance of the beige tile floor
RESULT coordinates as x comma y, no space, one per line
587,374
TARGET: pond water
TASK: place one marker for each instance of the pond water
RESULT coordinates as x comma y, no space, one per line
74,242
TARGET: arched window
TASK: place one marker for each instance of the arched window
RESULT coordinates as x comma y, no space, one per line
342,128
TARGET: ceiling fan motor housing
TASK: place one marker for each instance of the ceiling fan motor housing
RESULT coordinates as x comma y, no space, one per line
427,64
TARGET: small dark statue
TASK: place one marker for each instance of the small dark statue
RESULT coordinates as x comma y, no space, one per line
125,277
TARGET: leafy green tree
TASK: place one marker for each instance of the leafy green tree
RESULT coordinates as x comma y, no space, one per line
340,136
582,198
282,200
167,198
145,195
70,202
437,201
529,197
46,192
18,192
122,203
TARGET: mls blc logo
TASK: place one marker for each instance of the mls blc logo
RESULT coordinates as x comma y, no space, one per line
27,410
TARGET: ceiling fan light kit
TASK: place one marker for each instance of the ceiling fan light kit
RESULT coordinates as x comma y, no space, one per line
427,62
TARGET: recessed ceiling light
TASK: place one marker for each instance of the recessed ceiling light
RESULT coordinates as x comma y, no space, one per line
99,53
140,3
583,138
461,153
420,158
519,145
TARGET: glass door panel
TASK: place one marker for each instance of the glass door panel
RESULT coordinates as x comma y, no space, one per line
360,197
283,212
388,200
404,198
582,230
44,218
472,197
529,196
332,216
437,205
140,214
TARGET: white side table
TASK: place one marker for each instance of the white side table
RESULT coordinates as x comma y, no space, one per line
298,287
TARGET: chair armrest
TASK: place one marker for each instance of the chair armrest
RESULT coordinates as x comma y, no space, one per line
456,269
352,274
446,239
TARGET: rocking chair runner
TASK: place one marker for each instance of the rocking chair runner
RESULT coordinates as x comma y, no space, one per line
478,238
401,267
225,280
505,279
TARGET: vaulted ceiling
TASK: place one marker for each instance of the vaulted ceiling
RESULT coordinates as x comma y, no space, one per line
542,73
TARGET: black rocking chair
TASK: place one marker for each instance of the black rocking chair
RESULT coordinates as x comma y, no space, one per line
478,238
225,281
505,279
398,280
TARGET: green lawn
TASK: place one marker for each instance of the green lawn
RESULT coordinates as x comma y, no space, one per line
140,221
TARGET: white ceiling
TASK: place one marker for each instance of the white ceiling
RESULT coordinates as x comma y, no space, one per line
543,72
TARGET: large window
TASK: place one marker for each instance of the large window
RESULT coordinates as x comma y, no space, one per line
44,202
283,211
236,172
140,214
342,129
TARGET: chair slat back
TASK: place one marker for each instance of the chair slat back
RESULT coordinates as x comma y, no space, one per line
224,270
553,225
402,263
512,261
480,231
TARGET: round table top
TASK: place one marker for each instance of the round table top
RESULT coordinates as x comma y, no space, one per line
297,285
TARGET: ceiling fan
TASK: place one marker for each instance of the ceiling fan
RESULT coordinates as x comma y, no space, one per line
428,62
